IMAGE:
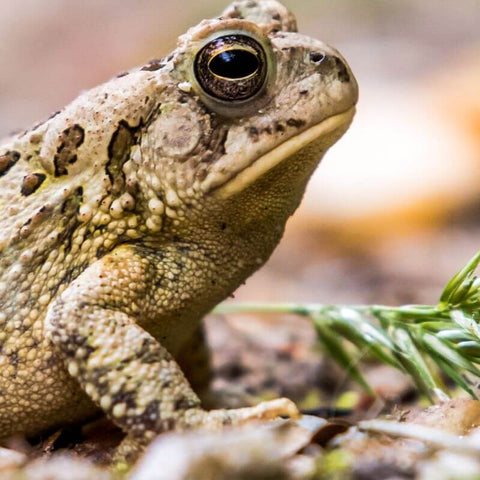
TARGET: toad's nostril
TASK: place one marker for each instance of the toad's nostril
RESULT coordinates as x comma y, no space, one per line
317,57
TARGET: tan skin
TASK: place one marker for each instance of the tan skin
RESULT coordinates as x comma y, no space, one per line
145,202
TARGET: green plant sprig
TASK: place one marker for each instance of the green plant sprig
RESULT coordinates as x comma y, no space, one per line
420,340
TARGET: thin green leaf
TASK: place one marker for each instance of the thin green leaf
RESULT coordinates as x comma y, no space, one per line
335,348
413,362
461,293
455,283
439,349
361,323
455,335
466,322
437,326
471,348
361,334
455,376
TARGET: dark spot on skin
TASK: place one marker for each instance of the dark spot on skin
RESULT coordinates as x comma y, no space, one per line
276,16
69,275
121,141
201,173
77,198
27,223
267,129
25,328
159,281
69,220
317,57
70,139
36,138
342,71
216,144
31,183
295,122
213,282
253,133
132,187
147,353
128,398
7,161
303,92
166,383
279,127
122,74
223,226
150,415
36,219
152,65
79,341
118,152
13,359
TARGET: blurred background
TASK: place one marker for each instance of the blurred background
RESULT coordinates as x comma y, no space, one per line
394,208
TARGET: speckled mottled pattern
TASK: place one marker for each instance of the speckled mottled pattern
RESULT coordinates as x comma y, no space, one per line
132,212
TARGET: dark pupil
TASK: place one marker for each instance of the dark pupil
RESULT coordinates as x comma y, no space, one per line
235,63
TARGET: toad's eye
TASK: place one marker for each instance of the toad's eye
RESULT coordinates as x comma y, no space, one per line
231,68
234,64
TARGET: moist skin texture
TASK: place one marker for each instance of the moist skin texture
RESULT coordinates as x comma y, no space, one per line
132,212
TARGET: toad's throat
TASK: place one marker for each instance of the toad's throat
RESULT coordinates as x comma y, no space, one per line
330,130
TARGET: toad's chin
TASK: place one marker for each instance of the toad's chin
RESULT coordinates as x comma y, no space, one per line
324,134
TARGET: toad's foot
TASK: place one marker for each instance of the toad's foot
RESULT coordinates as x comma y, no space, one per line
213,420
217,419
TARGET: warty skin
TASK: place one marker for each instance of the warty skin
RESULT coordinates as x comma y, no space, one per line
131,213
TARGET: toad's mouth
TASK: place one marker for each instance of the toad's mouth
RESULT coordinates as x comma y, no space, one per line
329,130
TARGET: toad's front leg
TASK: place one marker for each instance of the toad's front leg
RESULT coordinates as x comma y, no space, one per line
96,327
